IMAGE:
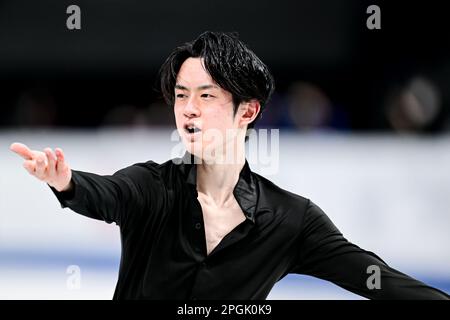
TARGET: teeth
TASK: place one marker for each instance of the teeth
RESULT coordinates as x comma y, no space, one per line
192,129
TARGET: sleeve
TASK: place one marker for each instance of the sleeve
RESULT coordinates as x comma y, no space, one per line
324,253
111,198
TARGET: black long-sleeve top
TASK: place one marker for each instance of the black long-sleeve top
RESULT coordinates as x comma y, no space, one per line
164,247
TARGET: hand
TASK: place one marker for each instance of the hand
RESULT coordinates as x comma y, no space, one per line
47,166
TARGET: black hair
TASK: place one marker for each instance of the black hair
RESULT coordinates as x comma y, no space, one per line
229,62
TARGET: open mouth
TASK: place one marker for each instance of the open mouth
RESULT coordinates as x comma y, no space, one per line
191,129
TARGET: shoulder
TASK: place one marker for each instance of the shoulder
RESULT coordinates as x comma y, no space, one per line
139,170
151,170
273,196
286,207
295,210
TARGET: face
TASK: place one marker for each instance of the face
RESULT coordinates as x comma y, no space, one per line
204,112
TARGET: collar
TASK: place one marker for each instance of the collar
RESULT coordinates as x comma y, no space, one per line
245,190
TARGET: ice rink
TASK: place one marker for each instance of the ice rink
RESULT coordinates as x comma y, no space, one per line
387,194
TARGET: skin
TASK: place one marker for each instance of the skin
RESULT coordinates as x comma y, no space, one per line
220,145
48,166
199,100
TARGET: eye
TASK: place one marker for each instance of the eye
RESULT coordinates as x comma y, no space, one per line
207,95
181,95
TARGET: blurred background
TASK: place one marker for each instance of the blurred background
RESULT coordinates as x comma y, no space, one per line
363,117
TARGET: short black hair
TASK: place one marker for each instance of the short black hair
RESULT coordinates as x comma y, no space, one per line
229,62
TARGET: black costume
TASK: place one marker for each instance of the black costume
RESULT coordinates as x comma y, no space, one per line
164,248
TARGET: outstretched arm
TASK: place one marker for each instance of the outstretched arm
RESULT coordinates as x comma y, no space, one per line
326,254
111,198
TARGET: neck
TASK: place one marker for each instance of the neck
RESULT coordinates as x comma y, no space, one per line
216,180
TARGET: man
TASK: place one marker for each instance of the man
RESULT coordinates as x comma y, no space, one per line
207,227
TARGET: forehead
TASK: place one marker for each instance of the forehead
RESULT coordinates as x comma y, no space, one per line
193,73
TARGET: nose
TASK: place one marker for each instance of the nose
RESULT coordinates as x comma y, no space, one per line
191,109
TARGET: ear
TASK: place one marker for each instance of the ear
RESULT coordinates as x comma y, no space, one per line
248,112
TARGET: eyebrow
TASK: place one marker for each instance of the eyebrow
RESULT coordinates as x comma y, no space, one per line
202,87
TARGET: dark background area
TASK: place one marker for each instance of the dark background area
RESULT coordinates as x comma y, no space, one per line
331,71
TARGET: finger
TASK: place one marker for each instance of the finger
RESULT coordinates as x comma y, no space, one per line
22,150
51,158
41,165
60,163
30,166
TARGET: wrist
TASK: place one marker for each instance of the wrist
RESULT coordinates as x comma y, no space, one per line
67,188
